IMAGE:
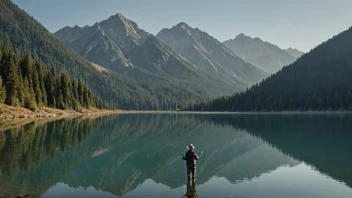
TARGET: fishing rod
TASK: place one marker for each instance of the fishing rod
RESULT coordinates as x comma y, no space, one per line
182,155
201,153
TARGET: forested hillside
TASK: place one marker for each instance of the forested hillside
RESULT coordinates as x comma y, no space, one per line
24,34
319,80
28,83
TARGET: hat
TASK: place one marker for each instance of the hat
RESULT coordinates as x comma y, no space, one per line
191,146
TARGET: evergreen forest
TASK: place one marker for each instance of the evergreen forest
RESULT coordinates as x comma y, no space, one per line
28,83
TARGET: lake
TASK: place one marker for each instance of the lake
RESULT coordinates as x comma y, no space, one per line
129,156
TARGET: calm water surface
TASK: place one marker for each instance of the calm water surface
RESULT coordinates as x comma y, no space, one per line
129,156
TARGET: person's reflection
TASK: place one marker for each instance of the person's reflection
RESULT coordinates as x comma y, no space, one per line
191,190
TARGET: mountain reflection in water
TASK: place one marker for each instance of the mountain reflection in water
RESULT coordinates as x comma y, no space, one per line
138,156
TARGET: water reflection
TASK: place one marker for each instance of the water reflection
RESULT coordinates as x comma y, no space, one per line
191,189
138,156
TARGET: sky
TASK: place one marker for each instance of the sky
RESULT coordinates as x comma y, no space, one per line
301,24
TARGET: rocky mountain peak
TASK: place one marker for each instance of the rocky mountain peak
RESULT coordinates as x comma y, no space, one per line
120,16
118,21
242,35
183,25
181,28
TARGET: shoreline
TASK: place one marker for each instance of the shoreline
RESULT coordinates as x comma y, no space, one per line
10,112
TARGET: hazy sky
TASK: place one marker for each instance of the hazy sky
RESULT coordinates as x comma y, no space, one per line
301,24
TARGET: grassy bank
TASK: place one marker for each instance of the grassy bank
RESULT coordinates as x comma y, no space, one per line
20,112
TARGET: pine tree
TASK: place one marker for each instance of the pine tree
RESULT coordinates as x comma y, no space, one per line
2,91
29,101
50,87
65,84
60,103
2,49
26,65
85,97
41,75
11,79
75,90
2,54
21,89
80,92
36,86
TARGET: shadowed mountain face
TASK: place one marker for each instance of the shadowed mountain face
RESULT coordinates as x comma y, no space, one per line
118,153
262,54
211,56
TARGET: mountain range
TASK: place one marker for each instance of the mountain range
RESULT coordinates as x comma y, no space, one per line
319,80
211,56
120,45
262,54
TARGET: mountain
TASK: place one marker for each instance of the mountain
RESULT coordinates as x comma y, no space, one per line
104,43
20,31
120,45
319,80
125,33
156,59
262,54
294,52
94,43
211,56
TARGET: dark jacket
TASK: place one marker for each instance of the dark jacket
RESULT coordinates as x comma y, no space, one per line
191,157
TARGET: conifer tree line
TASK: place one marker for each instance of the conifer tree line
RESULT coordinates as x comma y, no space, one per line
28,83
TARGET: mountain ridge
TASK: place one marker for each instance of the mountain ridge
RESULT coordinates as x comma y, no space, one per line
263,54
111,50
210,55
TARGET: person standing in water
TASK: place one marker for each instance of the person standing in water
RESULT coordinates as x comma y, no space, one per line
191,157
